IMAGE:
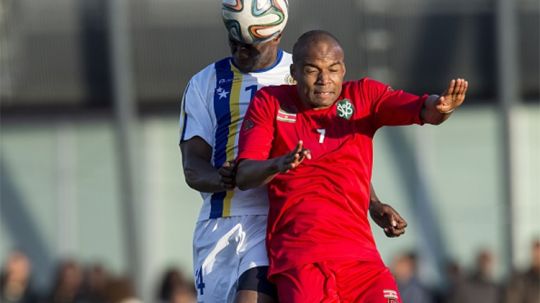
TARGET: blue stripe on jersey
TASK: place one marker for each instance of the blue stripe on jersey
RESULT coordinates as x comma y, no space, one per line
216,204
222,110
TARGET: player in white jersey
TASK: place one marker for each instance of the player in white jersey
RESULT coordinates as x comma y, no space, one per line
215,102
229,253
230,233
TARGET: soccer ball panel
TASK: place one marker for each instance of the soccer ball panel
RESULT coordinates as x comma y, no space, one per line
255,21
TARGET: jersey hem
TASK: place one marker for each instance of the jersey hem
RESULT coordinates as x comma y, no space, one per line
205,214
273,271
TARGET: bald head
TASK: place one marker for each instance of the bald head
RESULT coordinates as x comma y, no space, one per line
314,39
318,68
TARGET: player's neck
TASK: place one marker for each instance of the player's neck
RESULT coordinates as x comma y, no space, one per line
266,61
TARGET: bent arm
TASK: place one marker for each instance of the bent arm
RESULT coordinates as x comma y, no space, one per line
199,172
254,173
372,195
386,216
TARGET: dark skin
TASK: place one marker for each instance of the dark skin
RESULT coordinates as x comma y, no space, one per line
319,72
252,57
385,216
318,68
208,179
202,176
199,172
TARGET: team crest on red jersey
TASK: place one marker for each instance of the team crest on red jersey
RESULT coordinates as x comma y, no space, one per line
390,295
345,109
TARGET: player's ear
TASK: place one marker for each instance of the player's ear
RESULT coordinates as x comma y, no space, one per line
277,39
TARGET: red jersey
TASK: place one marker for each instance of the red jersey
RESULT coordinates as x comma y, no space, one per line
318,210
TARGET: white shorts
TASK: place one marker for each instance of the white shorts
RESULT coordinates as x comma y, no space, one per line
223,249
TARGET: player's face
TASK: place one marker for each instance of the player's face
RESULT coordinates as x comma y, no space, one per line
252,57
319,74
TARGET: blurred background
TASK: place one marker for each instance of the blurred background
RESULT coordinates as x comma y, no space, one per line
92,188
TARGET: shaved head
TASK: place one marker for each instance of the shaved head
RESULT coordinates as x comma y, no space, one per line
318,68
310,40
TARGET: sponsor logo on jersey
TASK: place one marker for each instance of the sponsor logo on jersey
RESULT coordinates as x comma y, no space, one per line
284,116
390,295
223,81
345,109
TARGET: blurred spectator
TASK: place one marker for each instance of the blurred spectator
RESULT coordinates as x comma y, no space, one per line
171,279
525,287
95,283
183,294
175,289
67,283
15,280
405,269
456,280
480,285
120,290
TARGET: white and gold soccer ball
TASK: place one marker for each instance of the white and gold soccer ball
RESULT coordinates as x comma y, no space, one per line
255,21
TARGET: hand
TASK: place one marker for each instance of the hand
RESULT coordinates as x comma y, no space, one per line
387,218
293,159
452,97
227,172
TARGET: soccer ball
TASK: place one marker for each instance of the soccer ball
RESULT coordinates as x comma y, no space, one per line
255,21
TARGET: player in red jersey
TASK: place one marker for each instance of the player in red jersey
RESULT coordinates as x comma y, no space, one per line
312,144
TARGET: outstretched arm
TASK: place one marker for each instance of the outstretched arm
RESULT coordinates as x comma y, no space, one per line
253,173
199,172
438,108
385,216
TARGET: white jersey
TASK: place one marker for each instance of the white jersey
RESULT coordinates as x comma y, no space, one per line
213,108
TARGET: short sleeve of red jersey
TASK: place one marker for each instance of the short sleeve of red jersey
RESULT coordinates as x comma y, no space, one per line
257,132
392,107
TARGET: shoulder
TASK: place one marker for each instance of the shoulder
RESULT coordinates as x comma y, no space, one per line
207,75
284,66
365,82
372,84
278,73
286,58
271,98
366,87
278,92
